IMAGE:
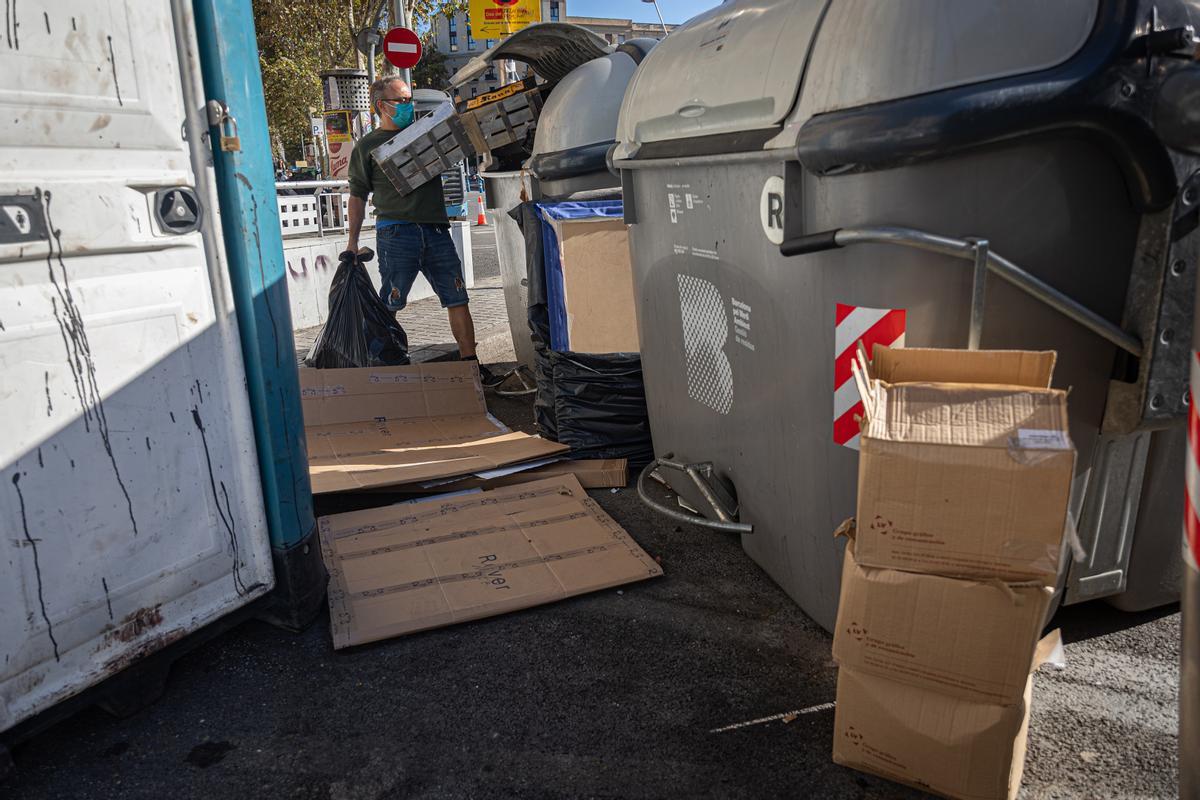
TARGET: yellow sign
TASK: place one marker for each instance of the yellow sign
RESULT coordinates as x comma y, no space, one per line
337,127
495,19
499,94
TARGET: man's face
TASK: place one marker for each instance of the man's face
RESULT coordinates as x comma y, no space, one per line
393,94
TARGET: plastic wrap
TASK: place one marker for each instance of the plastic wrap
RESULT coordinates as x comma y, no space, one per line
597,403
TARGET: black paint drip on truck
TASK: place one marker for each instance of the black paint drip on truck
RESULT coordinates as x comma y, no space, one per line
226,513
113,61
79,351
37,566
11,25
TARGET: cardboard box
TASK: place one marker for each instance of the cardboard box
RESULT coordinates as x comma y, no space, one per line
381,426
933,741
970,639
966,464
414,566
597,285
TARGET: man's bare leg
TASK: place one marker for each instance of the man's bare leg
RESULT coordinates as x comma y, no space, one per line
463,329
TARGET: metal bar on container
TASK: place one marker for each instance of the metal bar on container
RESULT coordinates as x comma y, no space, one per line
978,293
1003,268
680,516
751,157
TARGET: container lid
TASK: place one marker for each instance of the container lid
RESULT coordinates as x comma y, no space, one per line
428,99
583,108
874,52
551,49
734,68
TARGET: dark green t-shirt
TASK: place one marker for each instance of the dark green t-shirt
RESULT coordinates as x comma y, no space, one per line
426,204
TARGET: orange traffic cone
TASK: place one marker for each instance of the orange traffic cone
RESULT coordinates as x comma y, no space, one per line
482,220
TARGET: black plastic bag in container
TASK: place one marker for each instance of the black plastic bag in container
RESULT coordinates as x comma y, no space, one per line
543,401
361,330
599,405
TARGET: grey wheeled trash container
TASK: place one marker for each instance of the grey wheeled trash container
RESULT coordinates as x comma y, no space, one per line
800,175
575,129
505,190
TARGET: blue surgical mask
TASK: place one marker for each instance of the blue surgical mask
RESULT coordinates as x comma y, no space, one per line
402,117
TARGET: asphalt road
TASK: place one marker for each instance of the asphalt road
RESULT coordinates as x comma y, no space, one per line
483,248
483,252
608,695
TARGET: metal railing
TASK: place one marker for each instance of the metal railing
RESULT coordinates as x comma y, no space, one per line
325,211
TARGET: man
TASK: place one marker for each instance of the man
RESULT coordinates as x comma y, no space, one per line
412,233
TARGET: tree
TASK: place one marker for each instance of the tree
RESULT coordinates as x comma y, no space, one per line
431,72
298,39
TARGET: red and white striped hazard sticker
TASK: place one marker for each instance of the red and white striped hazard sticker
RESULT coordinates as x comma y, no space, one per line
1191,523
854,324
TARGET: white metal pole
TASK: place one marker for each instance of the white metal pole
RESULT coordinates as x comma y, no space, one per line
400,14
660,16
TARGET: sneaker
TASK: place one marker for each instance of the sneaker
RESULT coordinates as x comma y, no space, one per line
489,379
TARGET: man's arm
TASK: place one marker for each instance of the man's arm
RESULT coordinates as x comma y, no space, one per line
357,208
360,188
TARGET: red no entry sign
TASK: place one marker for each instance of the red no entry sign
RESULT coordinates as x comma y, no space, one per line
402,47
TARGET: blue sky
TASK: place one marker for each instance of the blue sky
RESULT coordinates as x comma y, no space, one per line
673,11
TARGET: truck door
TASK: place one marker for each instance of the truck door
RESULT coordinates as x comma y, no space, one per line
130,497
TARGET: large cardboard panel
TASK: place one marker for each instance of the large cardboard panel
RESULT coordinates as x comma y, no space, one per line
415,566
971,639
382,426
969,480
592,473
933,741
598,286
334,396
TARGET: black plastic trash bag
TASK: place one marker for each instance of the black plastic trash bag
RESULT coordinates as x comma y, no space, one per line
361,330
543,401
599,405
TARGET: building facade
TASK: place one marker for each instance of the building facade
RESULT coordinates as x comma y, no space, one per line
453,37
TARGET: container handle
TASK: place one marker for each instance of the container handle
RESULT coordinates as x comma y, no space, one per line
985,261
726,522
810,243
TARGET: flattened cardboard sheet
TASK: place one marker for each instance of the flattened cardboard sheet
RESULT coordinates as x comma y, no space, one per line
381,426
415,566
592,473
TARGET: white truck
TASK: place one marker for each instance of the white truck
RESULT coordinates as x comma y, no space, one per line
149,401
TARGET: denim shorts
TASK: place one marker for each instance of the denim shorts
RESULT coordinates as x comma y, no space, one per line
411,248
